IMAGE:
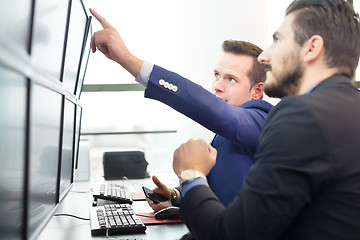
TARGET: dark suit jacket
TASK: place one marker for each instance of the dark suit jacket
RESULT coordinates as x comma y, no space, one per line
237,128
305,182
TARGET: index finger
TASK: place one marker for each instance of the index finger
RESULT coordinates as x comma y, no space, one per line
158,182
103,22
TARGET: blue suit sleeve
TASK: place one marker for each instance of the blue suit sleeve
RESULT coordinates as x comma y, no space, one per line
238,124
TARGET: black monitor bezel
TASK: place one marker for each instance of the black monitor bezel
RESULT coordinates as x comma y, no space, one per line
62,194
86,30
83,61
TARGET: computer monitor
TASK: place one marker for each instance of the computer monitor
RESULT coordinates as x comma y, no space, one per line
78,24
66,172
85,58
13,96
48,35
44,141
40,119
15,27
77,136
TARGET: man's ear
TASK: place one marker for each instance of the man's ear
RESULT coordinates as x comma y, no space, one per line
257,91
313,48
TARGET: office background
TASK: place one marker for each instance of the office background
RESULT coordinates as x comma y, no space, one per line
183,36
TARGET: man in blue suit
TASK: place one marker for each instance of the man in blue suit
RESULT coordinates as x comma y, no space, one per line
235,111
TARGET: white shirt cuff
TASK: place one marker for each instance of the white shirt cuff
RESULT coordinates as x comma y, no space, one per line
144,75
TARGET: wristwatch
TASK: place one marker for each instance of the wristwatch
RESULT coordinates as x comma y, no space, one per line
189,175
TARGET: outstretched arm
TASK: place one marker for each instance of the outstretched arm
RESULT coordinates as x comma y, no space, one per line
110,43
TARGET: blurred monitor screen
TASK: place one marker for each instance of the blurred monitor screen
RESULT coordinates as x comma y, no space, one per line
48,37
77,29
45,119
77,135
13,92
67,155
85,58
15,18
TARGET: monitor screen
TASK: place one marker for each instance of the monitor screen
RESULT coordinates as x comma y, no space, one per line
77,29
48,33
13,96
77,136
15,19
44,139
67,155
85,58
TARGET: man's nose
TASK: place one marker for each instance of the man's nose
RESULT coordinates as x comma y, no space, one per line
264,56
219,85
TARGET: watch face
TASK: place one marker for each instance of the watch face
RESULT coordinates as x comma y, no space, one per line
190,175
186,175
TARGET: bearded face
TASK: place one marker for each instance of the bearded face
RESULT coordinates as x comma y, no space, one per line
284,80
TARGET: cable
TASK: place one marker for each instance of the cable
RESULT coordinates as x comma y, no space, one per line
91,190
70,215
144,215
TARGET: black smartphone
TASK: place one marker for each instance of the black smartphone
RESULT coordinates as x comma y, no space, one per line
155,197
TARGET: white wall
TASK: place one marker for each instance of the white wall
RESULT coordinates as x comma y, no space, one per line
182,35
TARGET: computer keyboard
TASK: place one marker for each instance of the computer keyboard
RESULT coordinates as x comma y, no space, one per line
113,191
115,219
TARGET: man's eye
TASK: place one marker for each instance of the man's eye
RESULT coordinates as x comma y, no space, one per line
232,80
217,76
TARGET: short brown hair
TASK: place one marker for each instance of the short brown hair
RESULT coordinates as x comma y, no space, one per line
257,73
337,23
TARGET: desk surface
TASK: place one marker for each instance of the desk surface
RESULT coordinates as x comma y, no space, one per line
79,200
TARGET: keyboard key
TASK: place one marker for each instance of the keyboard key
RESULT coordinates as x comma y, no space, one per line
115,219
113,192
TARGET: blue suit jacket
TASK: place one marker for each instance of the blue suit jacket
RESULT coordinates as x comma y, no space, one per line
237,128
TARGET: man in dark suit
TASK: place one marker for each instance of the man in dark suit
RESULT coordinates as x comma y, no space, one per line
234,111
305,182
